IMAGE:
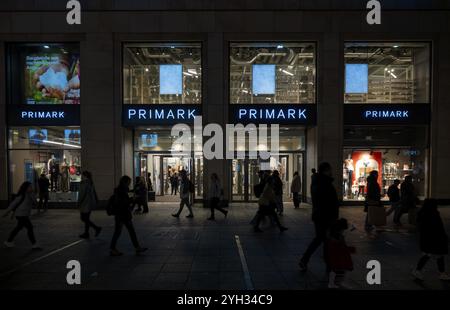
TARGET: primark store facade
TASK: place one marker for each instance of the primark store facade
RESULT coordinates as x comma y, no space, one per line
104,95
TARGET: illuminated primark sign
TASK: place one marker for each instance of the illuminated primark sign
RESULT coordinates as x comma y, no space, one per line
387,114
301,114
171,114
44,114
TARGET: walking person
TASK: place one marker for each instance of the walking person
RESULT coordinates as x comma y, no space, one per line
338,254
325,209
140,195
408,199
214,193
21,207
44,185
87,201
278,191
123,217
394,199
267,205
433,239
296,187
186,188
373,198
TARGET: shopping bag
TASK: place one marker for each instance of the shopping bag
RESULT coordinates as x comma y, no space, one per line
377,216
412,216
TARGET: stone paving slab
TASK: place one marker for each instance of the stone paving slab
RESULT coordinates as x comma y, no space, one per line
199,254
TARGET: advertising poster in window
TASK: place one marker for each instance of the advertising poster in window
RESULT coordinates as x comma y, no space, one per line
52,76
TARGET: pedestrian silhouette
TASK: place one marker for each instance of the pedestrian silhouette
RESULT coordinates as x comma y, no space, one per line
87,201
214,194
325,209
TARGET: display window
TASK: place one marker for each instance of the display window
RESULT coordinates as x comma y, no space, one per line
162,73
267,73
44,73
53,153
391,164
387,72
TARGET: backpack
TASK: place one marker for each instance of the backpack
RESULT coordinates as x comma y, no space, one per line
111,206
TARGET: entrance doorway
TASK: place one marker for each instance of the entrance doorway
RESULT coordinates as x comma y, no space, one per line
165,170
245,174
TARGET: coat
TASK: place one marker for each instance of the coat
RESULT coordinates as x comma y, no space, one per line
408,196
373,193
324,199
267,197
122,210
87,197
296,185
214,190
22,206
432,236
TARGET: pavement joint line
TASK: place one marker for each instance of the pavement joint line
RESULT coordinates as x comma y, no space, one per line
247,277
40,258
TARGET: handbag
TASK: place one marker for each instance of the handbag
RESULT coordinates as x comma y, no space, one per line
376,215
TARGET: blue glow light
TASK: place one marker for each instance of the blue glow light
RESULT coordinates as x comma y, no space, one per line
170,79
356,78
263,79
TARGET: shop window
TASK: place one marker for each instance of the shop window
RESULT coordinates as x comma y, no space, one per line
387,72
391,164
44,73
52,151
162,73
272,73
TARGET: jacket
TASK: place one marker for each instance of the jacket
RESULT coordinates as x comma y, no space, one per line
267,197
23,208
296,185
277,186
87,197
393,193
123,204
324,199
184,188
214,190
408,196
43,184
432,236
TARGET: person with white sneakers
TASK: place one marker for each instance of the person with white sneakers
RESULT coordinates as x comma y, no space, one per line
433,239
21,207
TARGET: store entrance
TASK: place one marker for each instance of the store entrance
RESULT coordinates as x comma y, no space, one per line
163,171
245,174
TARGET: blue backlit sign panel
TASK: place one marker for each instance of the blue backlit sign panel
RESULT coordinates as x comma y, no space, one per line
382,114
135,115
263,79
356,78
170,79
301,114
44,115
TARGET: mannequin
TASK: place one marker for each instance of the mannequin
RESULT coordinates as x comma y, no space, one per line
53,168
65,176
349,167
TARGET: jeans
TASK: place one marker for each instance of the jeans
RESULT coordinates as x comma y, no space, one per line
321,228
43,200
214,204
185,201
23,222
86,219
118,230
424,260
296,198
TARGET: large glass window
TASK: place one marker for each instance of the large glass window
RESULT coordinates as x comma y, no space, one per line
166,73
395,152
54,152
387,72
272,73
44,73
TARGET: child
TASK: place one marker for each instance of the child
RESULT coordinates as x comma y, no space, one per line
433,239
338,254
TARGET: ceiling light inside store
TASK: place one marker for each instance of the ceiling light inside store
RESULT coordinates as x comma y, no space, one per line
46,46
187,73
395,46
280,46
63,144
287,72
192,71
146,69
307,68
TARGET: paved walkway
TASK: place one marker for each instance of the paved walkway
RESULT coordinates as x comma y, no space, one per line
199,254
